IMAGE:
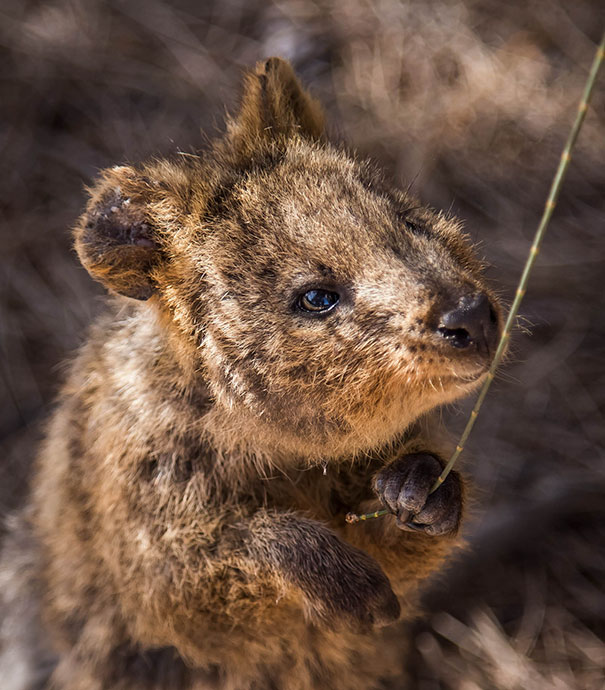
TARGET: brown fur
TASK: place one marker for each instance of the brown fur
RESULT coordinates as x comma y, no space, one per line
188,504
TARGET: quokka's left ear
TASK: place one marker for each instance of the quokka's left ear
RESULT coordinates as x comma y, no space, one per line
274,105
115,237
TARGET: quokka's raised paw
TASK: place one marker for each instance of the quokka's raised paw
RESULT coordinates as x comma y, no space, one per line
404,487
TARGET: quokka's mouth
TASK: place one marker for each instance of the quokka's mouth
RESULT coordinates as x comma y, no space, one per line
473,375
460,378
471,378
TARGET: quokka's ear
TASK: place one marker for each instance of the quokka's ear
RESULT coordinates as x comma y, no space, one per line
274,104
115,237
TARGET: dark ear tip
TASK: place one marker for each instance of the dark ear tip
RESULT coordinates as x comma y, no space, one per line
274,65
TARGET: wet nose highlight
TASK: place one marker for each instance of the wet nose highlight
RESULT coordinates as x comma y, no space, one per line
472,322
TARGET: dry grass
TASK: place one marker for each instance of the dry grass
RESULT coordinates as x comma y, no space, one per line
468,101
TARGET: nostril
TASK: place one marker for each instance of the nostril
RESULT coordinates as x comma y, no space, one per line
472,321
457,337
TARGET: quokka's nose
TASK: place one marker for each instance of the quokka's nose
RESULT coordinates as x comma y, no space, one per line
472,323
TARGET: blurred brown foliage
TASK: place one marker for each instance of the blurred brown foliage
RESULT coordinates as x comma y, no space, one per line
469,102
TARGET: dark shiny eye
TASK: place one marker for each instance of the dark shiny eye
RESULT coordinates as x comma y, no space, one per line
317,301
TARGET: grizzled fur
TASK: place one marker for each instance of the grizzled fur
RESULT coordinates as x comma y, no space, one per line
186,526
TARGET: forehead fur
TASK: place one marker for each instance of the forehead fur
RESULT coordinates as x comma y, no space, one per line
314,212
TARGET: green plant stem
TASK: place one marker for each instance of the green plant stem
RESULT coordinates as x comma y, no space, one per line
533,253
521,288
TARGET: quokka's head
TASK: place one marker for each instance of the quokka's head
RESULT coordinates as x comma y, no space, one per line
325,309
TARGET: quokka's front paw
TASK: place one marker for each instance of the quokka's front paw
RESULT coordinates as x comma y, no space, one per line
340,584
344,585
404,488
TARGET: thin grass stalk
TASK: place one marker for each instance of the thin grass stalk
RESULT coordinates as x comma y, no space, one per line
551,202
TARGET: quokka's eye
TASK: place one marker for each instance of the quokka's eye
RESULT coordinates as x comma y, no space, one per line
317,301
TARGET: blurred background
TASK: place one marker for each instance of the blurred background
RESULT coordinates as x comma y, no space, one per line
471,102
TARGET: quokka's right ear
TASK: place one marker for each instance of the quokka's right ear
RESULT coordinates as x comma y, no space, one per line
115,237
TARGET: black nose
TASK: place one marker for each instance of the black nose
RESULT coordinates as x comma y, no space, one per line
473,322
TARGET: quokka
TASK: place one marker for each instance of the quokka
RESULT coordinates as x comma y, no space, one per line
282,318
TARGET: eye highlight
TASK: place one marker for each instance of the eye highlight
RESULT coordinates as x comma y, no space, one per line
317,301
